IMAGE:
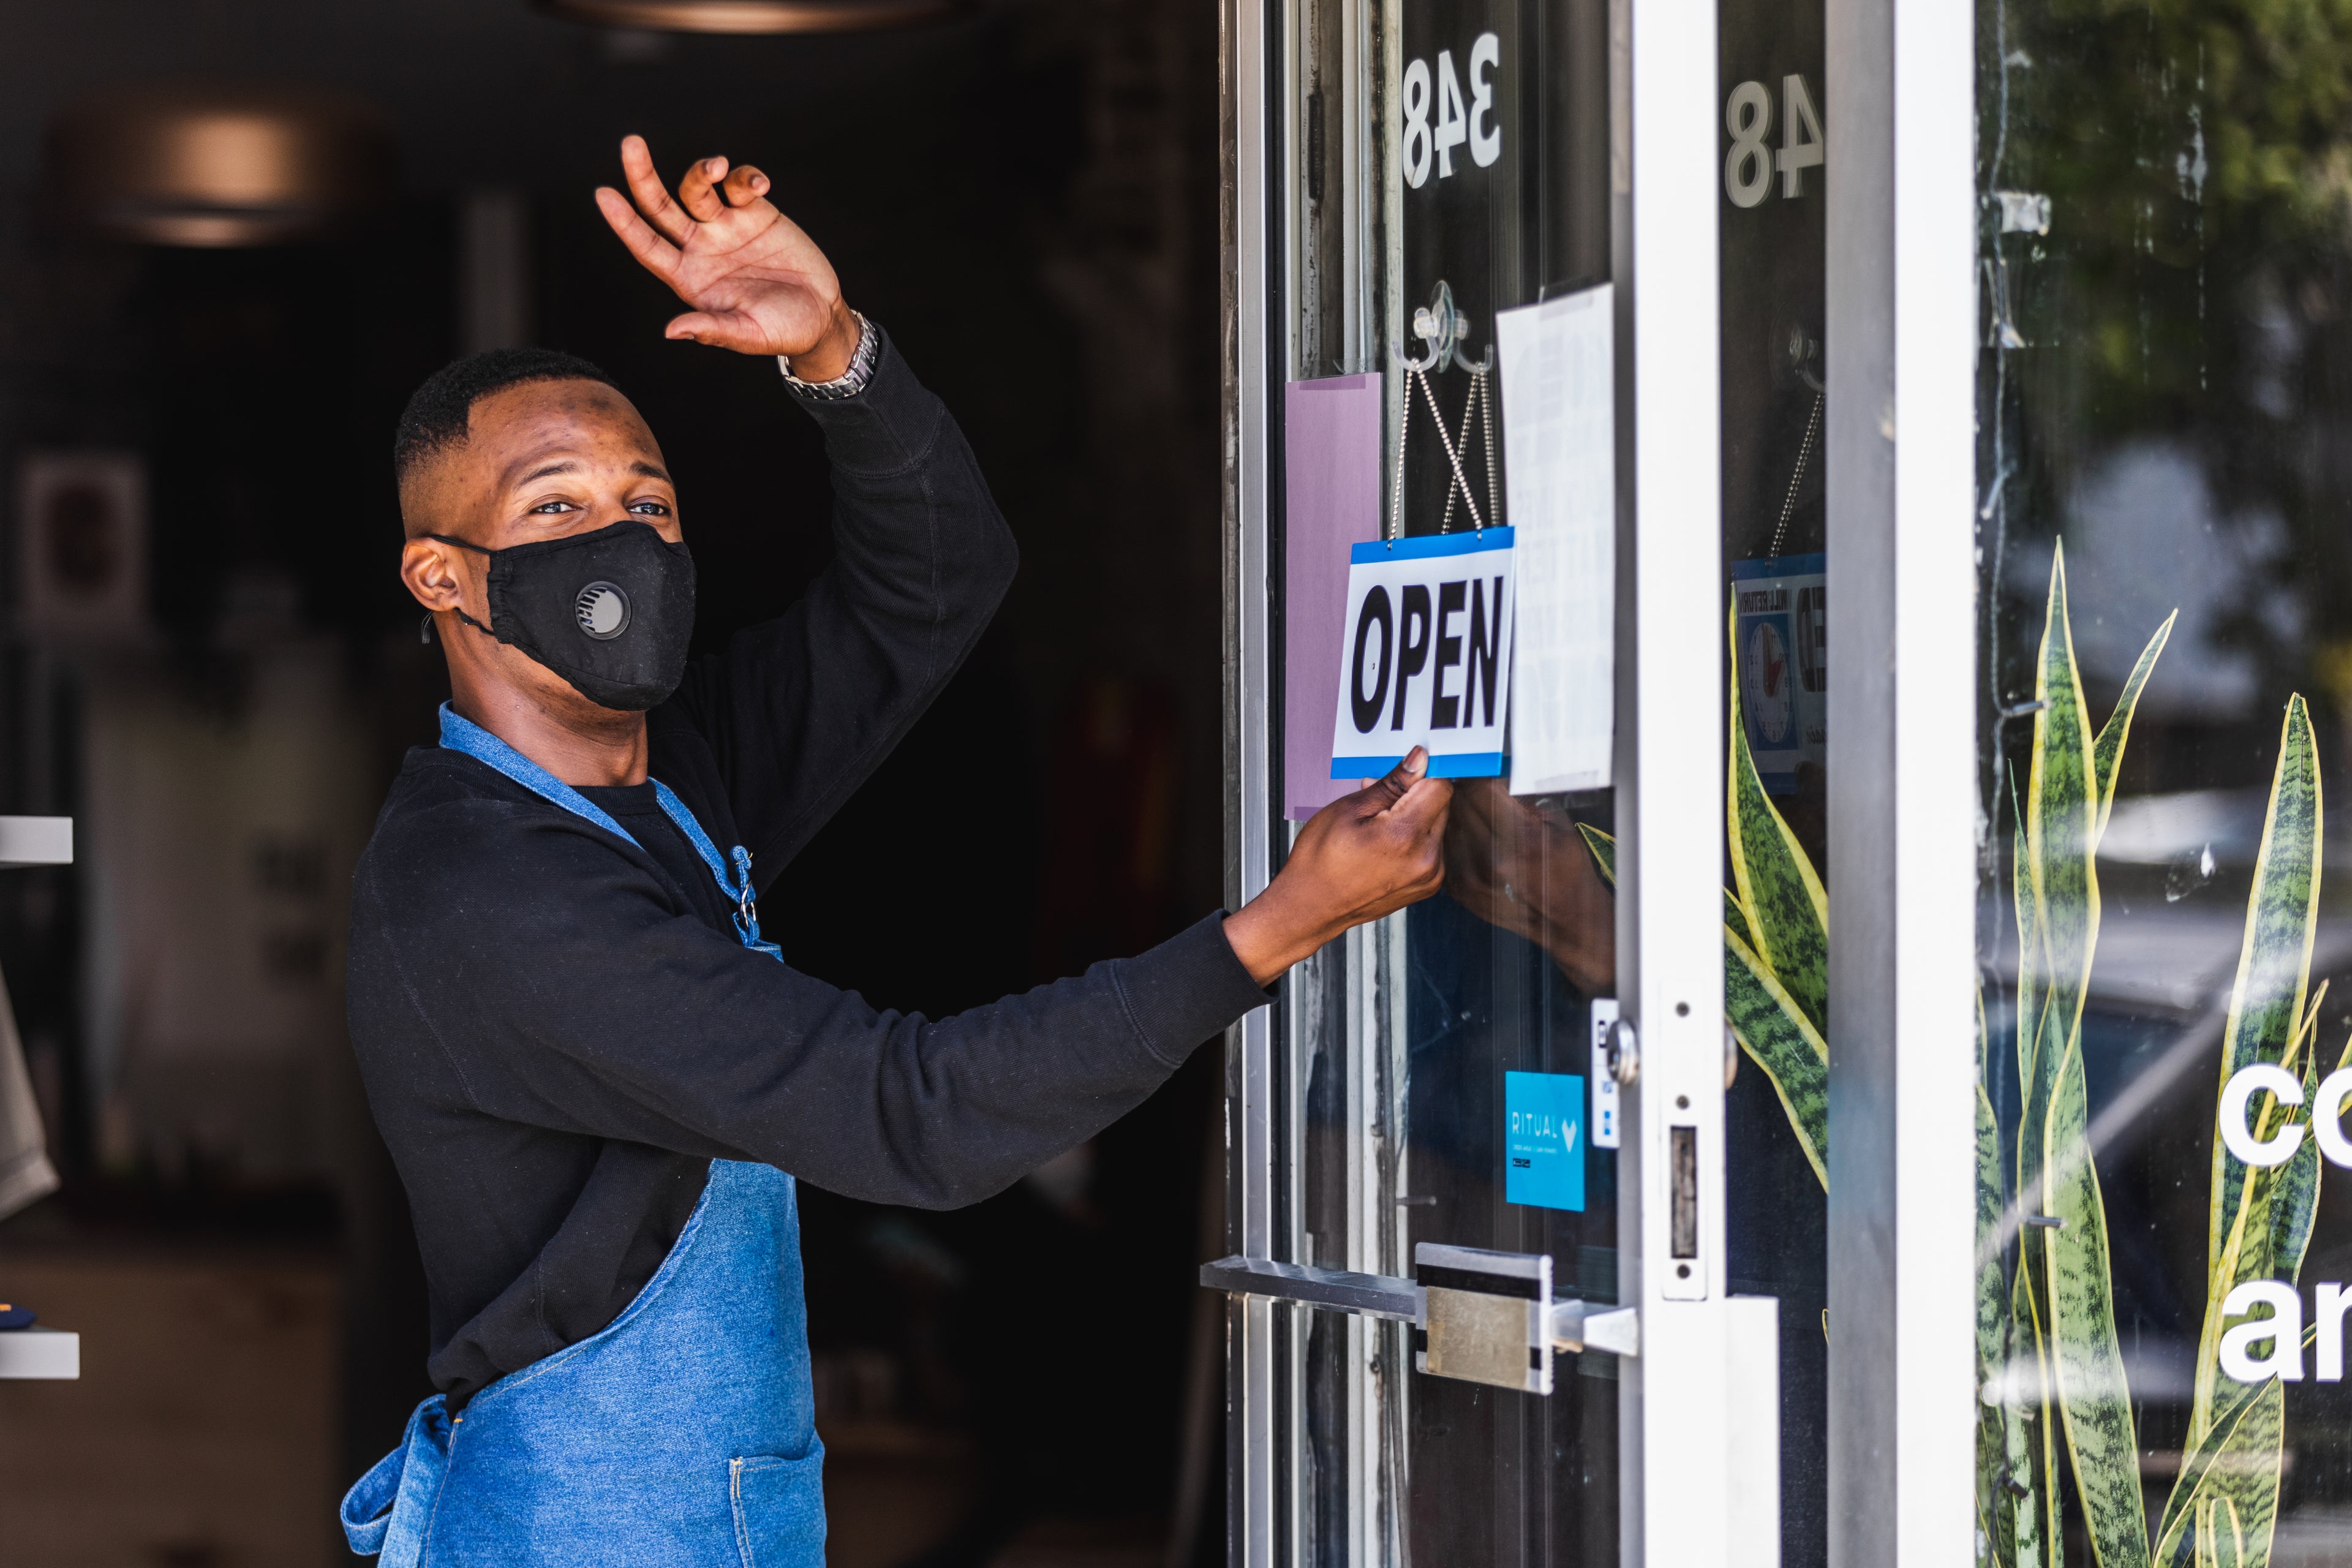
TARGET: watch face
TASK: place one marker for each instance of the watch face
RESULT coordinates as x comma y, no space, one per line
1764,689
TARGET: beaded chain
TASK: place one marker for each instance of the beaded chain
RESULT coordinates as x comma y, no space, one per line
1414,376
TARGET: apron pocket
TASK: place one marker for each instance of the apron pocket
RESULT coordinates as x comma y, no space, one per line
779,1510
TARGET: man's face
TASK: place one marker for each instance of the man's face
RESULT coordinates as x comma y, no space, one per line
542,460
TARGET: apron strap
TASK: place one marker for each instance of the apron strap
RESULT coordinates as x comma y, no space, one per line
461,734
737,886
388,1511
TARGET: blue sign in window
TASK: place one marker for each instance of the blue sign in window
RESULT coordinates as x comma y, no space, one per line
1543,1139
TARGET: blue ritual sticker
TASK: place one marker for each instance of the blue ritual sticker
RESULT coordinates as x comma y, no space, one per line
1543,1139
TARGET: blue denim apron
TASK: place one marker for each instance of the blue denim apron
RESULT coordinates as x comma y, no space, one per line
684,1433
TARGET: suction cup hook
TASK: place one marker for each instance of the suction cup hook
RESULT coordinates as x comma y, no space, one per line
1443,328
1801,356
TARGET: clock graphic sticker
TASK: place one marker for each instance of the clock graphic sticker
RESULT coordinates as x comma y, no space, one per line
1764,687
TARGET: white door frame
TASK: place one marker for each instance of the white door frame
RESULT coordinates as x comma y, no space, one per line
1900,443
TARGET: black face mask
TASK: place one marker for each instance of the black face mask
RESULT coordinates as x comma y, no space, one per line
610,611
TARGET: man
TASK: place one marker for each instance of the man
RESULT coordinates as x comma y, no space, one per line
593,1072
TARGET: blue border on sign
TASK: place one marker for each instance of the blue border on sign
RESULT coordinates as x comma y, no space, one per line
1773,566
1432,544
1453,765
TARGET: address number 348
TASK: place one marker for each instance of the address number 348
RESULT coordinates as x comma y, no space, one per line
1456,122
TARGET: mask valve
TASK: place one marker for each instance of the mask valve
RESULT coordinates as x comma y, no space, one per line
602,611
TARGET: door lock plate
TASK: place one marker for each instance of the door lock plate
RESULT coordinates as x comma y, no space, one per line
1487,1317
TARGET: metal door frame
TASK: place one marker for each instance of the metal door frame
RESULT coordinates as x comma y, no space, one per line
1694,1437
1900,444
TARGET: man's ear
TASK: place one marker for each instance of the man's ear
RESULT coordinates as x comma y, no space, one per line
434,573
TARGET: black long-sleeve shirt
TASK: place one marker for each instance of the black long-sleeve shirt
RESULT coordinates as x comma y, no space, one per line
560,1030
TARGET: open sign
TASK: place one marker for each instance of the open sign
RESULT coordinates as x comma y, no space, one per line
1425,656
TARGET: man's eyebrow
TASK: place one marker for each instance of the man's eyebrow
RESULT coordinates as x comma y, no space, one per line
563,466
649,471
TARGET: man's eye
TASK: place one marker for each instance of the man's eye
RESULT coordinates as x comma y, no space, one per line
649,508
554,506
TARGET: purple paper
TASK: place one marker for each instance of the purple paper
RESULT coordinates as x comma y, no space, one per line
1331,500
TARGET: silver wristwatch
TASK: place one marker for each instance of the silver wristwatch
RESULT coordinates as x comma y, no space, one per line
850,382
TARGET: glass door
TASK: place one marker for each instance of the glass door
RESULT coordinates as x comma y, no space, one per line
1487,1302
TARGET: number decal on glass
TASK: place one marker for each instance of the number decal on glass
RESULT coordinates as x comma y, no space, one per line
1474,122
1801,136
1416,123
1486,131
1748,166
1453,125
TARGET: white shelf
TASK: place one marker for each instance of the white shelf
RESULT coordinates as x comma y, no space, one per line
39,1352
35,841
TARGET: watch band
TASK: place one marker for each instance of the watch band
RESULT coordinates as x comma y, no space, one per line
850,382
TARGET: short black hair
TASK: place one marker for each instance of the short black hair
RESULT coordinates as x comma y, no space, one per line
439,412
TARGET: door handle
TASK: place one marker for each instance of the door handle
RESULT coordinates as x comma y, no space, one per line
1485,1317
1336,1289
1593,1326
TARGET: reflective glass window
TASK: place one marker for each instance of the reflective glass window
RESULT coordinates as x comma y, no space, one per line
2165,273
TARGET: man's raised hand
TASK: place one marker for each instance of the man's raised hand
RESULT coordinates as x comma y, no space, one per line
1361,857
757,284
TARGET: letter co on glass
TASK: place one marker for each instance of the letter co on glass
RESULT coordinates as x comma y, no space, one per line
1426,656
2265,1134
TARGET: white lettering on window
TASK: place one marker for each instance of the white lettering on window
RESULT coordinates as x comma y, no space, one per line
2282,1331
2238,1133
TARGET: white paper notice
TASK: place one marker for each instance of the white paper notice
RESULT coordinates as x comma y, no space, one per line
1559,466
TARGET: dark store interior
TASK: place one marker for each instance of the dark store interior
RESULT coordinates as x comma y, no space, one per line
1025,197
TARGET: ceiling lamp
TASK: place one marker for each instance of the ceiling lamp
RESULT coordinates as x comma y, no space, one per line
215,166
757,16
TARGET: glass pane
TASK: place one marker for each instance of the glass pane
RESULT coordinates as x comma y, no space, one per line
1480,182
1772,213
2166,310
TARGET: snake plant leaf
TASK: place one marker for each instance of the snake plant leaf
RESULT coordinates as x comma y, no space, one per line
1789,910
1772,1029
2220,1538
2033,1442
1991,1328
2063,1273
2294,1209
2057,893
2093,1395
2059,844
2029,958
2260,1219
2007,1497
2294,1196
1994,1398
1604,850
2236,1464
2107,753
2246,1254
1604,855
2266,1000
1769,1025
2056,886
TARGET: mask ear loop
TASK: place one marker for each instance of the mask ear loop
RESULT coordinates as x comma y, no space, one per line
424,632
